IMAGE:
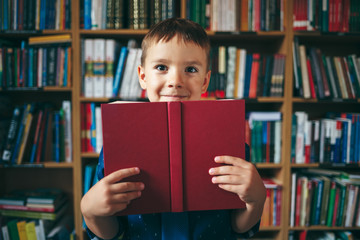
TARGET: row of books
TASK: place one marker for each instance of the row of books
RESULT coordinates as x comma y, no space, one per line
91,128
272,207
36,63
326,15
100,79
320,76
37,133
35,15
119,14
324,197
233,15
263,134
333,139
320,235
238,73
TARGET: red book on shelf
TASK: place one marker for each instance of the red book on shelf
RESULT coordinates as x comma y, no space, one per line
174,145
311,80
254,75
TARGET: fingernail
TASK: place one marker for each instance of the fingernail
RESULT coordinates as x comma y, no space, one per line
213,179
217,158
211,171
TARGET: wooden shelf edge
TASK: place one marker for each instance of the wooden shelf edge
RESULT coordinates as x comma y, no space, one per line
90,155
42,165
323,228
268,165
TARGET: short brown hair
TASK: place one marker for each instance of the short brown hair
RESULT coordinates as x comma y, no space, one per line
187,30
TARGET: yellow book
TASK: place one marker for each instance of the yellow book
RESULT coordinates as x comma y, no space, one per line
21,226
30,231
50,39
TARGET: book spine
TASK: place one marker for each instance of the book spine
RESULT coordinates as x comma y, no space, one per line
175,152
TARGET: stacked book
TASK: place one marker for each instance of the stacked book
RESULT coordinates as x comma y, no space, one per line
47,204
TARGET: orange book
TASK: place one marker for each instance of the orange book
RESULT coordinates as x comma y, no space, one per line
244,16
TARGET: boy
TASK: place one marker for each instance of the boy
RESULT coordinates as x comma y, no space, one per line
175,66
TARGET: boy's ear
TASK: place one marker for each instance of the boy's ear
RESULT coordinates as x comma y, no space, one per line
206,82
141,75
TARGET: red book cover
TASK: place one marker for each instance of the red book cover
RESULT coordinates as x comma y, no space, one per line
336,206
83,128
254,75
89,147
174,145
311,80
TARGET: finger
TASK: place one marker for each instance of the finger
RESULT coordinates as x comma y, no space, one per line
122,187
228,179
121,174
126,197
233,161
224,170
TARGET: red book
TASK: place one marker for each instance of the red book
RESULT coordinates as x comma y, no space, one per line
88,113
254,75
311,80
83,128
174,145
298,202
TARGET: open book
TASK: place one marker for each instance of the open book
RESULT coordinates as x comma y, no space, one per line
174,145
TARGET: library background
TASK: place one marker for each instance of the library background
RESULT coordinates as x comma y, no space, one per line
296,63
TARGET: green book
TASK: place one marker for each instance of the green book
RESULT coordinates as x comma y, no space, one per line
13,231
330,212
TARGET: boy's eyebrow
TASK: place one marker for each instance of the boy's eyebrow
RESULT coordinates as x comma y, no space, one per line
161,60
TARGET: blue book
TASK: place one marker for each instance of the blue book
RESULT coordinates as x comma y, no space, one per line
6,15
357,139
293,137
264,140
87,14
119,71
42,14
249,60
30,68
267,77
44,74
56,137
65,83
93,127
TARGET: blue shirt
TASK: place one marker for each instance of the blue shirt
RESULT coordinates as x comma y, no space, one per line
215,224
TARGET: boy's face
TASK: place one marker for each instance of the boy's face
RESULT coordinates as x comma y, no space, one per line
174,71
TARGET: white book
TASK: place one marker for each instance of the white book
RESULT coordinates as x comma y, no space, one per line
109,72
230,78
135,89
300,136
128,72
214,16
277,145
99,67
88,78
96,14
242,64
66,106
263,116
349,206
40,230
57,15
304,72
304,196
5,232
293,199
99,134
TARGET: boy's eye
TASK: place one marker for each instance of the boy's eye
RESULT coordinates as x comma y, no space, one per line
191,70
161,67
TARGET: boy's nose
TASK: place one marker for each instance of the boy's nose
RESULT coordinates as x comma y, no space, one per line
175,80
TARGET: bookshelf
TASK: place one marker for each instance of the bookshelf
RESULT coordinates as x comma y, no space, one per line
69,176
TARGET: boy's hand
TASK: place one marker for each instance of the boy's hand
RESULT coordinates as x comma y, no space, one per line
110,195
240,177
